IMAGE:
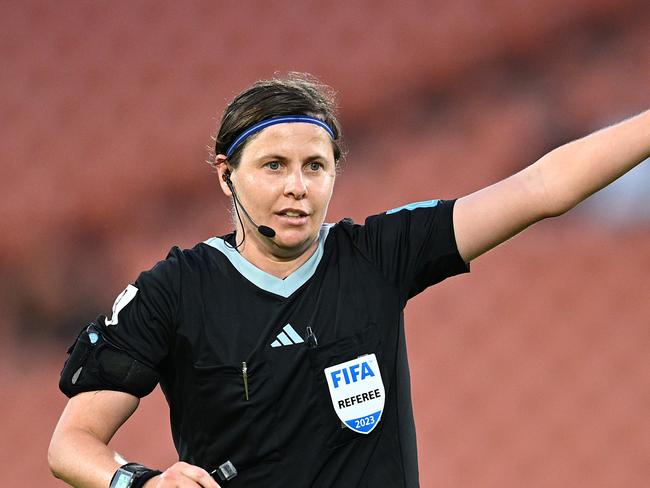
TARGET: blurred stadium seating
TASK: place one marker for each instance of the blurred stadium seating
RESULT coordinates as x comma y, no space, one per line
532,371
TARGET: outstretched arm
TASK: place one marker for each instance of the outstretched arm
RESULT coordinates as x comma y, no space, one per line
549,187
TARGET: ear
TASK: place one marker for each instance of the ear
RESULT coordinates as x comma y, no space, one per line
223,169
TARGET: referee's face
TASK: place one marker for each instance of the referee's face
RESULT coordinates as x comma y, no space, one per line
285,180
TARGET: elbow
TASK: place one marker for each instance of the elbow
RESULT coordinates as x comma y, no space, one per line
558,207
58,455
554,198
53,459
561,204
543,196
560,189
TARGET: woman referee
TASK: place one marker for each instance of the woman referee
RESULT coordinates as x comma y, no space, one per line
280,347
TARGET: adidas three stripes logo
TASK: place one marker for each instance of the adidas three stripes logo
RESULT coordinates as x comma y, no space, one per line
288,337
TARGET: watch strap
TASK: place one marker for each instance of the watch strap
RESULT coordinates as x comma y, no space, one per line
143,477
132,475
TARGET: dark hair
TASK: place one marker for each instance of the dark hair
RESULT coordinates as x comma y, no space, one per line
295,94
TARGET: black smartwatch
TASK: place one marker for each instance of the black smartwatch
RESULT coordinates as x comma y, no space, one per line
132,475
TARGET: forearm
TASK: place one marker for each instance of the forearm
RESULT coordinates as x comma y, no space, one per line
82,460
580,168
79,452
551,186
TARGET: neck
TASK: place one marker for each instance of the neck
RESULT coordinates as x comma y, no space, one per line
273,259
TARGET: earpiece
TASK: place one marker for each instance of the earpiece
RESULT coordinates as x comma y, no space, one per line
226,177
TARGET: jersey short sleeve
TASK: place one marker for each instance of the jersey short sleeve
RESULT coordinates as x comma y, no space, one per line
144,316
414,246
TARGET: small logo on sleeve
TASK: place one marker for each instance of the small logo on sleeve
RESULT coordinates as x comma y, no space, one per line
121,301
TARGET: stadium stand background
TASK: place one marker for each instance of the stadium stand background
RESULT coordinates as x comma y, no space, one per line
532,371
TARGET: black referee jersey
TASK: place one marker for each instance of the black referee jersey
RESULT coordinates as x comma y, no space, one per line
201,313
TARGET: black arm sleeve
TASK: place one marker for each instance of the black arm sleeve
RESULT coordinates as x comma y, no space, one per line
124,352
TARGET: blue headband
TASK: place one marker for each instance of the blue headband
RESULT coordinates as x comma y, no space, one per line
253,129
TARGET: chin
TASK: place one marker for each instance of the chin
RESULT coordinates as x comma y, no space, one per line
293,239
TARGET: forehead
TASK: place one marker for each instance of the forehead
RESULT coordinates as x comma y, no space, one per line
291,140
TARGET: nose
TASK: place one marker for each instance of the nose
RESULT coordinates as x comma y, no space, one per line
295,185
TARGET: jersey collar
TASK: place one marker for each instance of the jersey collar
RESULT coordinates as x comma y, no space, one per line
265,281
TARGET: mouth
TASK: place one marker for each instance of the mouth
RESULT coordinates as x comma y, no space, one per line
292,212
293,216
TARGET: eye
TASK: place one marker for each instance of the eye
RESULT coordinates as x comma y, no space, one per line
315,166
273,165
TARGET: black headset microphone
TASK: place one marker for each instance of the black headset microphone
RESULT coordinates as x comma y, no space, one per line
265,230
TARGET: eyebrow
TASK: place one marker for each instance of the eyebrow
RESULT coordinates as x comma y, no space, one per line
279,157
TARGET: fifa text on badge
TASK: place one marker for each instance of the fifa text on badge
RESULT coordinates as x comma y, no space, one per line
351,374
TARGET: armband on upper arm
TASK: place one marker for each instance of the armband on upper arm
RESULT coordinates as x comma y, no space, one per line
96,364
